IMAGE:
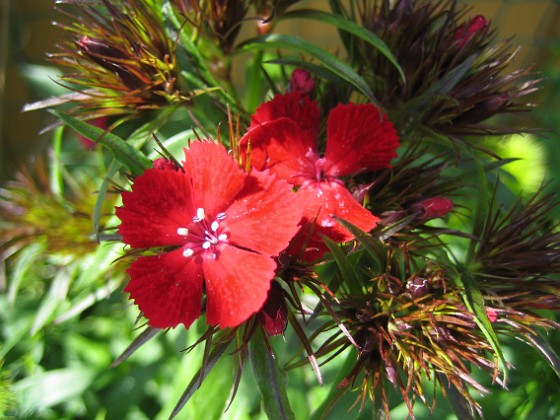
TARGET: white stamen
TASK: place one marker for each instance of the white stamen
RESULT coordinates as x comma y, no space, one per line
215,225
222,237
188,252
206,245
221,216
182,231
200,215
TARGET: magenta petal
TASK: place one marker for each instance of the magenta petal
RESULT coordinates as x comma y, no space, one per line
237,284
266,216
159,204
325,199
167,288
216,176
359,139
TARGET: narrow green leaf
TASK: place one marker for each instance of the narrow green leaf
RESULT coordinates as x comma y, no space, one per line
271,380
346,267
456,399
144,337
125,153
25,259
350,27
217,352
99,294
372,245
55,174
474,300
328,60
42,390
102,192
53,299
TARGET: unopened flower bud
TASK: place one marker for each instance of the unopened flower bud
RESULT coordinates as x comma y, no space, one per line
467,31
302,82
432,208
274,314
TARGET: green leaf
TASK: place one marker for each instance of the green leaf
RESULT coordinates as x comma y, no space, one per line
125,153
346,267
44,390
56,295
328,60
144,337
350,27
102,192
217,352
270,379
25,259
373,246
55,175
474,300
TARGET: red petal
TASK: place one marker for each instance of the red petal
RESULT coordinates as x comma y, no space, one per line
216,176
160,202
237,284
325,199
266,215
359,139
167,288
303,111
281,147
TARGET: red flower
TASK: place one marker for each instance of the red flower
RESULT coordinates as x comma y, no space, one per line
283,138
224,227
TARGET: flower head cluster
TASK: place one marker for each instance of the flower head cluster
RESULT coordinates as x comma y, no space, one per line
121,59
455,75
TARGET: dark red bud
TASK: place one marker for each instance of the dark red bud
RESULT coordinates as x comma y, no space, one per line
466,32
432,208
302,82
274,314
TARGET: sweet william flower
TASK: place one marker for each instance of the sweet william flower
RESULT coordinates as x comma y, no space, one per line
220,227
282,137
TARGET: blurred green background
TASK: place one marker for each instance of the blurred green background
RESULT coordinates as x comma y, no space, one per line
73,378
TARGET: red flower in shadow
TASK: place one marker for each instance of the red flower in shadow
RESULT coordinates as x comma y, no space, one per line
223,227
282,137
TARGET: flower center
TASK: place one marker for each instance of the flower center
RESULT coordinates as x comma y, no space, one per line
314,172
204,235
